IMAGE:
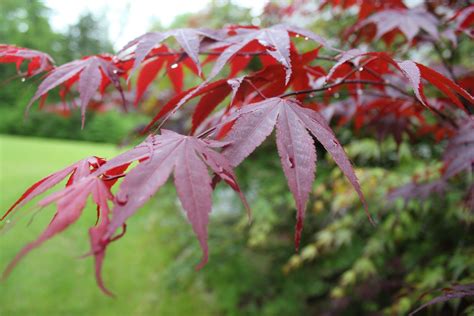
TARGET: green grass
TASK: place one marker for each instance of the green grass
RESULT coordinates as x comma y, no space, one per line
52,280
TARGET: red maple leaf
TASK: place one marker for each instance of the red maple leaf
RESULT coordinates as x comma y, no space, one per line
37,61
295,145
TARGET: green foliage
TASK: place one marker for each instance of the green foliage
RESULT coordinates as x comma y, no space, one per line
88,36
42,124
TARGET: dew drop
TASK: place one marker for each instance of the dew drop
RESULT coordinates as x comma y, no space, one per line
330,89
291,162
297,35
23,79
174,66
121,200
306,38
115,71
361,68
8,221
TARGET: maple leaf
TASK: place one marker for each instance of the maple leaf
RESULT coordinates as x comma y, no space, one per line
76,171
37,61
275,39
459,154
254,124
70,200
70,204
415,71
411,70
419,191
152,66
365,7
84,181
463,20
456,291
89,73
189,158
188,39
410,22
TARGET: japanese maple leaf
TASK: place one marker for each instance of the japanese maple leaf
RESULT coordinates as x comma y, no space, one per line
188,39
240,61
420,191
458,291
295,146
89,73
415,72
84,181
189,158
152,66
76,171
70,200
411,70
463,20
365,7
37,61
410,22
276,39
459,154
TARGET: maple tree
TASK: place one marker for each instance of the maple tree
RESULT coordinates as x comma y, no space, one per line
296,91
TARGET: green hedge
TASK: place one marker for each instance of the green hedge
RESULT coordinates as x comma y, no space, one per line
109,127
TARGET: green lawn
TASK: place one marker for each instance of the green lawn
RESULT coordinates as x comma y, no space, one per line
52,280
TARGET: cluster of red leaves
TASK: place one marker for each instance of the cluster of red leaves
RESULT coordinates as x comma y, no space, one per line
387,19
37,61
221,137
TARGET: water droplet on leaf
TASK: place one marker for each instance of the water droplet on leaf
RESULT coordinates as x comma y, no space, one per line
291,162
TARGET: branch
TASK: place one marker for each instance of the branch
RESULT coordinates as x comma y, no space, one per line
329,86
434,110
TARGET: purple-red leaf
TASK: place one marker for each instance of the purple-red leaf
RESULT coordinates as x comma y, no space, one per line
78,170
187,157
296,149
408,21
188,39
276,40
70,203
298,159
90,72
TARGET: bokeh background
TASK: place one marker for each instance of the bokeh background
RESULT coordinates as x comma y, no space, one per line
345,266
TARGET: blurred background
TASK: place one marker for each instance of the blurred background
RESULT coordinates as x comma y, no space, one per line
345,265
